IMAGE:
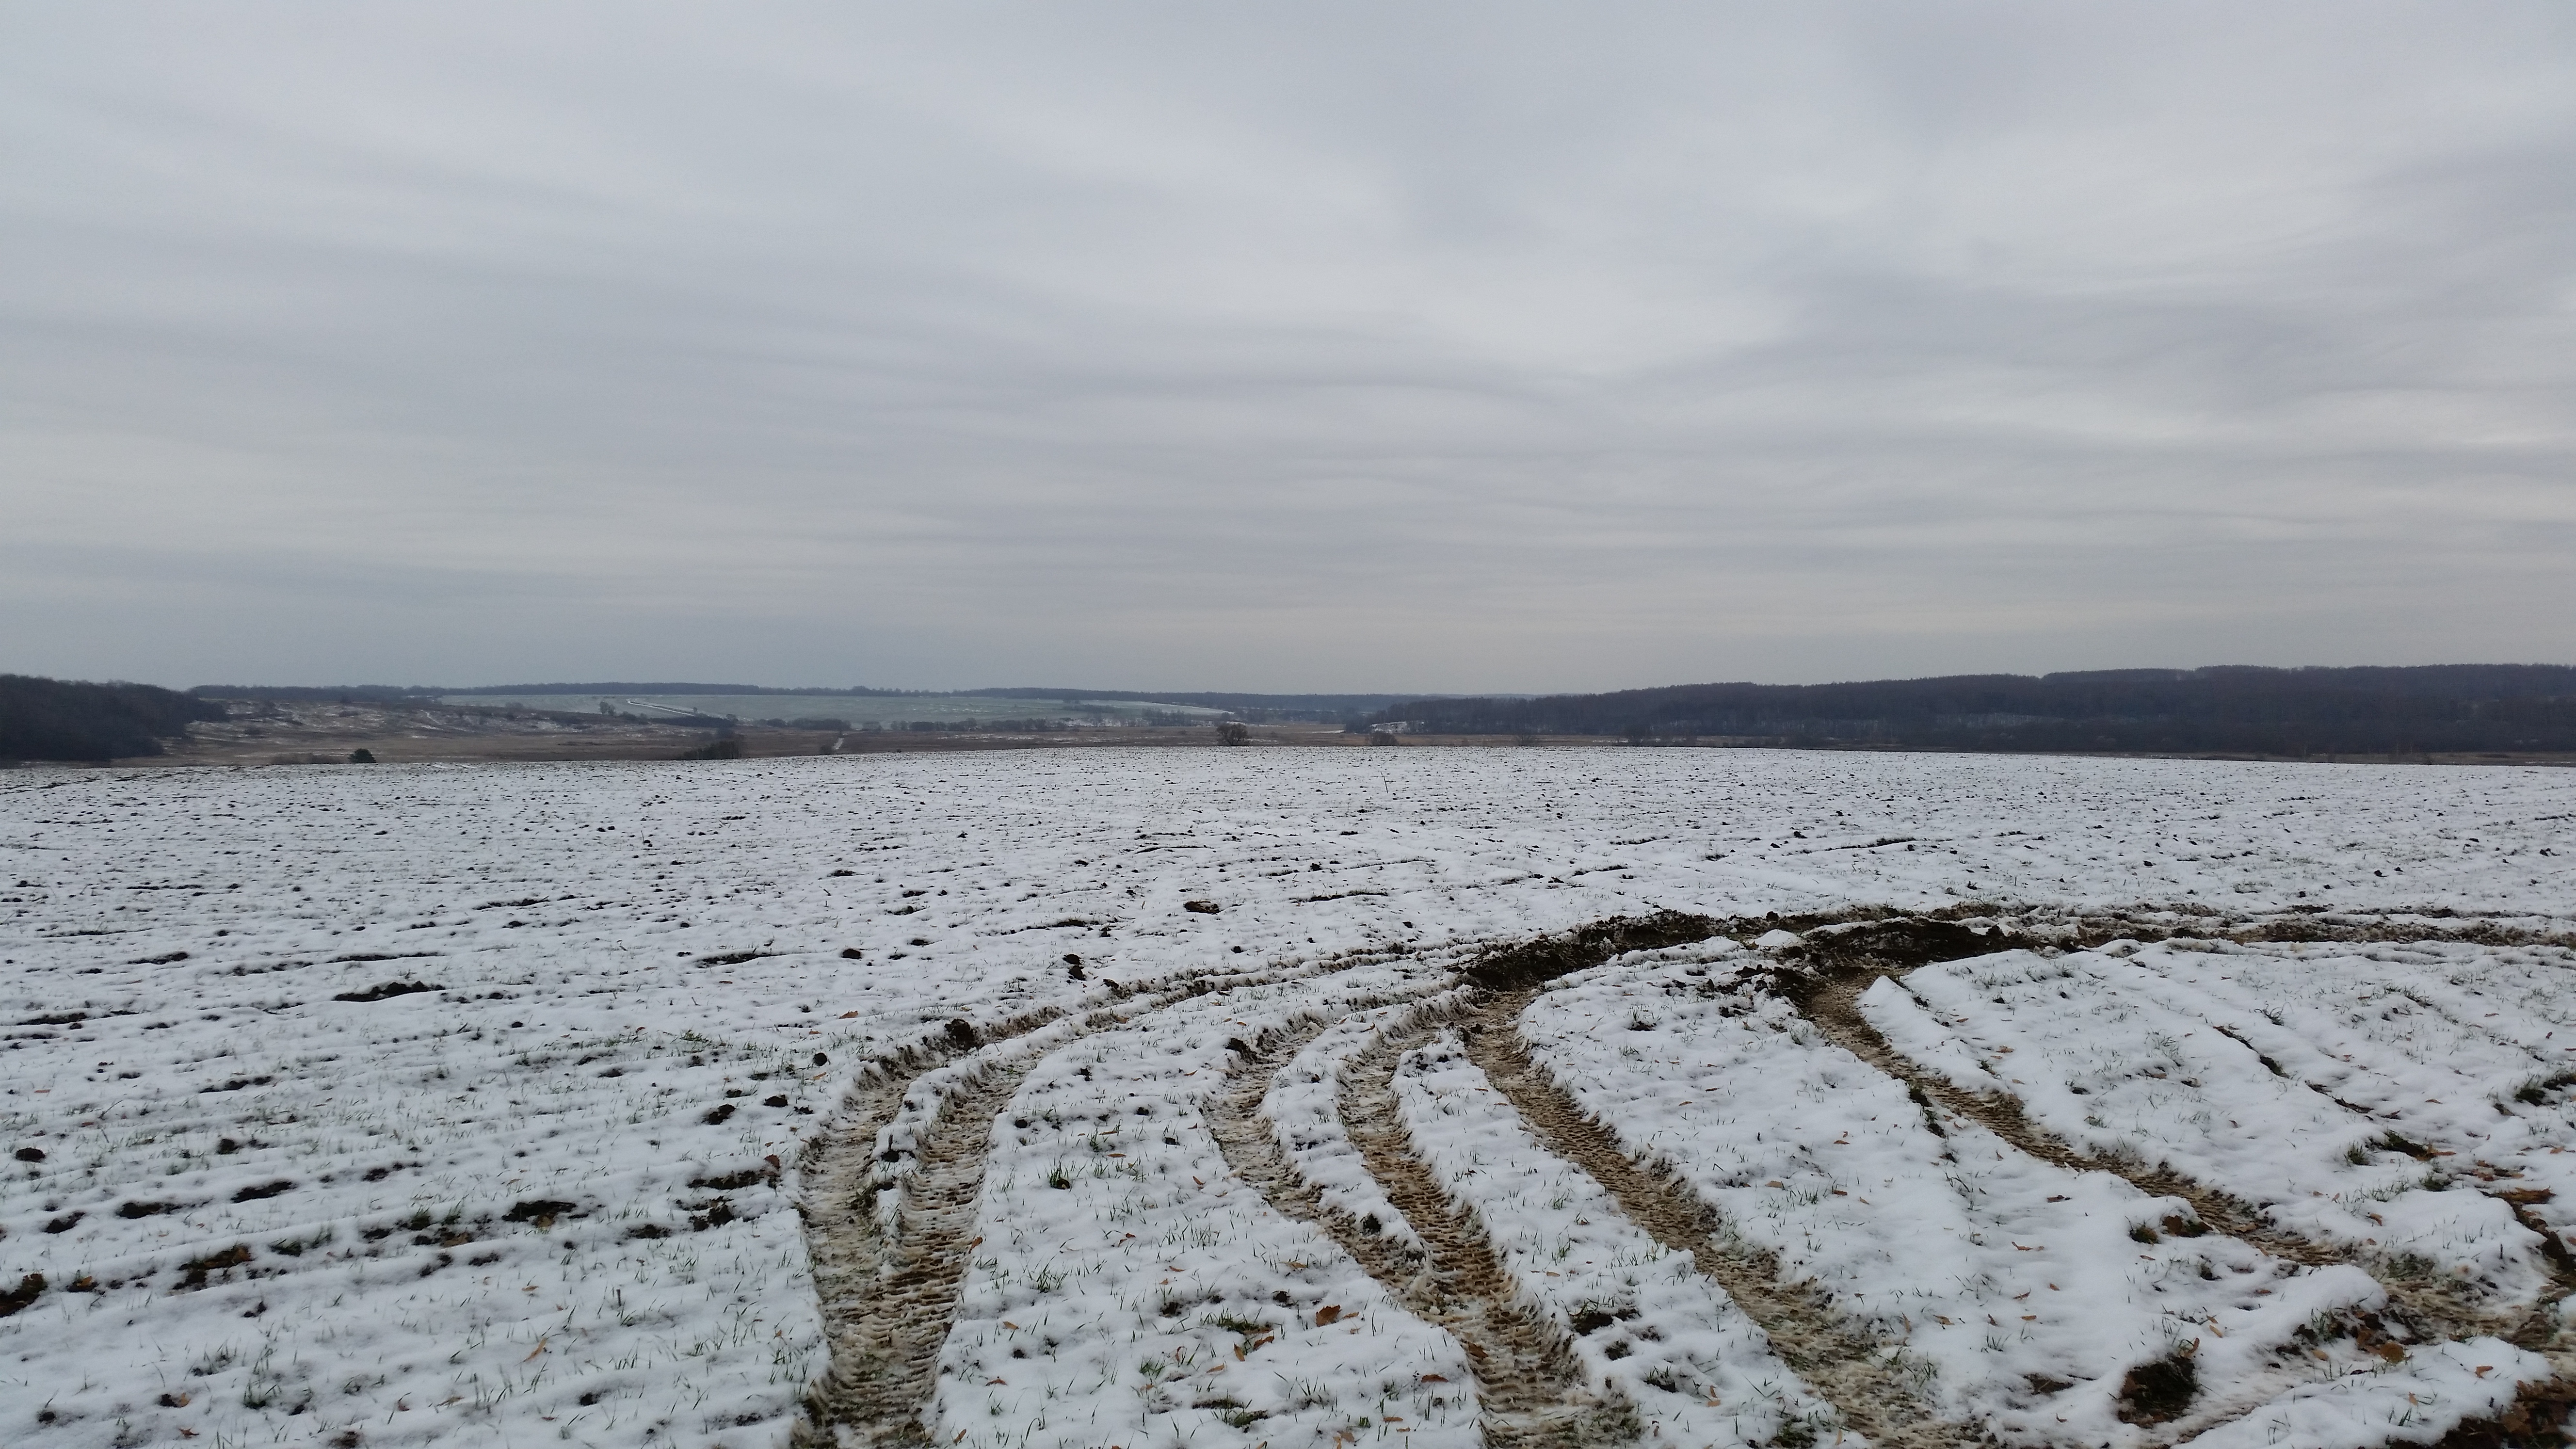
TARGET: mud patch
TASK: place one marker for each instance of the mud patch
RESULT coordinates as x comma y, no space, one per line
2161,1390
2536,1420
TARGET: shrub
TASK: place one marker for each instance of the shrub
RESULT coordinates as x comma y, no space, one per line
724,749
362,756
1234,732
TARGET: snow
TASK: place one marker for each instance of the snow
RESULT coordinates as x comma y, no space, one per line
2160,1053
1301,1104
1131,1286
1991,1269
616,950
1695,1368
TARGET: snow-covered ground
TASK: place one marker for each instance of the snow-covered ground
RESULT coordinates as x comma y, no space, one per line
395,1104
1643,1324
2025,1291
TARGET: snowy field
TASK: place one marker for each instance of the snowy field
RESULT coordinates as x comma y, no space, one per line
1139,1099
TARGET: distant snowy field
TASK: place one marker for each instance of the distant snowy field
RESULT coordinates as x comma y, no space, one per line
410,1105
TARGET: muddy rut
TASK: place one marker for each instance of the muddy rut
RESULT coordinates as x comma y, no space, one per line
888,1299
1840,1364
1825,980
1531,1390
1831,1000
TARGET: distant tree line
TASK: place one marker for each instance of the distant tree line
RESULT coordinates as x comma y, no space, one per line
620,686
55,719
1263,708
2452,708
975,726
1259,707
392,694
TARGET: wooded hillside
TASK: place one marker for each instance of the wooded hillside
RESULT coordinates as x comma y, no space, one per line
55,719
2236,709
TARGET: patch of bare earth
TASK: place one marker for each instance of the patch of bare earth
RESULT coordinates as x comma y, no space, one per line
873,1328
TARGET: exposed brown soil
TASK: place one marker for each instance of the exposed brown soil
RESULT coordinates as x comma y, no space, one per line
2532,1422
1830,999
1845,965
1846,952
1534,1393
1523,1374
890,1322
1244,1136
888,1300
2158,1390
851,1258
1841,1364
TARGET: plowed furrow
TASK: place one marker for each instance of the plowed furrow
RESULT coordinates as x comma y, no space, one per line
1839,1363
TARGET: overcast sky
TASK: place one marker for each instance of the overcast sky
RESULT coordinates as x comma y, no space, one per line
1282,347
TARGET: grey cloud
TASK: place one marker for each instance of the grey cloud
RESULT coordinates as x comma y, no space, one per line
1447,347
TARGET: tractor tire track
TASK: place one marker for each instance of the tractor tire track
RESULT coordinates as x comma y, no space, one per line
1839,1363
1831,1000
1252,1151
2431,1308
888,1299
1534,1391
1531,1391
1852,951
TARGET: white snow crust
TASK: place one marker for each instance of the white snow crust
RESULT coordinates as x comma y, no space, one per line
1129,1285
1697,1371
433,1220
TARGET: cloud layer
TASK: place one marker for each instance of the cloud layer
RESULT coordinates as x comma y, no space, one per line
1321,346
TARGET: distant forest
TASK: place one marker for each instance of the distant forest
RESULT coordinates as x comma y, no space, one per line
1323,707
1327,708
53,719
2235,710
398,693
